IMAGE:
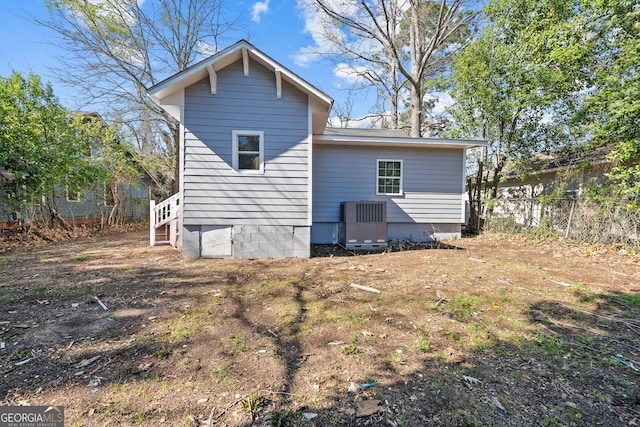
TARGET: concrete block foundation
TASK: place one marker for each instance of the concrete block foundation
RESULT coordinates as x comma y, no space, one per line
246,241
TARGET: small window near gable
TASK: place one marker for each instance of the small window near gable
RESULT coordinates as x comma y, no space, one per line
248,151
389,177
73,196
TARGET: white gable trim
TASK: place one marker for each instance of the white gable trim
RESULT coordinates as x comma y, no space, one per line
213,79
167,92
245,61
278,83
241,50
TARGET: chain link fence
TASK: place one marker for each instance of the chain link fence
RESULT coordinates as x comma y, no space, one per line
582,219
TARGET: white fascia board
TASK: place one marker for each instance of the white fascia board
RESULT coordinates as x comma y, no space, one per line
291,77
196,72
397,142
224,58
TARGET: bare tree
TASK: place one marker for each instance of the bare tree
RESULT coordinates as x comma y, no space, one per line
115,49
396,43
344,110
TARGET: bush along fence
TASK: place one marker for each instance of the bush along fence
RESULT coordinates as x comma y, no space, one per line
581,218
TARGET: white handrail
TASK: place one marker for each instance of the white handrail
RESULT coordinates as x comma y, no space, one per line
167,210
164,212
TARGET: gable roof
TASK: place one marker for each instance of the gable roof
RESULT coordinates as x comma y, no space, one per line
389,138
242,50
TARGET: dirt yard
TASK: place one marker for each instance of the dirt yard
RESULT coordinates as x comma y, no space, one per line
483,331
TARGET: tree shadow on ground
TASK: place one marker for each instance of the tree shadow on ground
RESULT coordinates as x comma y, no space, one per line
285,332
192,340
576,369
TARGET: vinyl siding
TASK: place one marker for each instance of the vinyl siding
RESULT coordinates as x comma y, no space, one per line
215,194
90,206
432,182
134,199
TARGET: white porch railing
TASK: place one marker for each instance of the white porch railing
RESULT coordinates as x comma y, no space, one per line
165,212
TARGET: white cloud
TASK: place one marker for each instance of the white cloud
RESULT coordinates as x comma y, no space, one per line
442,101
320,28
327,34
366,122
305,56
259,8
206,48
350,74
123,14
140,2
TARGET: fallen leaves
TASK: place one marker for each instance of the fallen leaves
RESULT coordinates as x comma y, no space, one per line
367,408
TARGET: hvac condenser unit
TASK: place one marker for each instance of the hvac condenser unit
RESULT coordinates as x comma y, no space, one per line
363,225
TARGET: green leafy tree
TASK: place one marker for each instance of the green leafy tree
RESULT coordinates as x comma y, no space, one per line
611,113
115,49
515,87
40,145
117,162
52,151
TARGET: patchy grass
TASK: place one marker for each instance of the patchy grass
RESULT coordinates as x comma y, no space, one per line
165,352
472,335
424,346
220,372
254,404
19,354
40,288
350,350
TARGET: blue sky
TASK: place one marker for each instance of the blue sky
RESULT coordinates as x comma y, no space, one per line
277,27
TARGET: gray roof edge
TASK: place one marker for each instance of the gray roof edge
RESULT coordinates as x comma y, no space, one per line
169,81
396,140
396,133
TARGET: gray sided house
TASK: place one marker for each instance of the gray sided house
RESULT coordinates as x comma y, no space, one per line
92,204
554,181
261,176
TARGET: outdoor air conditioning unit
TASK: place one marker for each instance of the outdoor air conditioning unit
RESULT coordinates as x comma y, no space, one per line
363,225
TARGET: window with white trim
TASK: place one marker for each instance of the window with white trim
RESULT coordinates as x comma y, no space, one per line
248,150
72,196
389,177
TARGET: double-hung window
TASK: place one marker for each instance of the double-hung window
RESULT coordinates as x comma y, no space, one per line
248,151
389,177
